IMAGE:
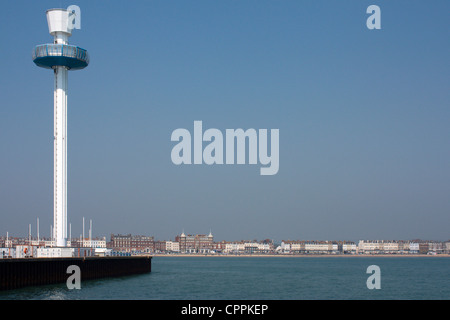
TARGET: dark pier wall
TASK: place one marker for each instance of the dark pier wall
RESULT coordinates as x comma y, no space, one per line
18,273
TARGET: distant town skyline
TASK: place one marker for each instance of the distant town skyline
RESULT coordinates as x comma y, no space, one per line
88,235
362,116
128,244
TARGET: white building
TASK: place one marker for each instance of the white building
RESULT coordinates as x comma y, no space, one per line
49,243
172,246
413,247
390,247
248,247
321,247
23,251
349,247
89,243
102,252
285,247
56,252
292,246
447,247
234,247
94,243
7,252
370,246
317,247
387,247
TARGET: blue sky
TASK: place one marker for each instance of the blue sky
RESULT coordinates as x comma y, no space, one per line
363,117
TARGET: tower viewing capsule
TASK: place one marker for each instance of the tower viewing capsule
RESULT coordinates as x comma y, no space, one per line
61,57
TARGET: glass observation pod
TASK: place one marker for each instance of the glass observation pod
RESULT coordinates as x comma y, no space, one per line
52,55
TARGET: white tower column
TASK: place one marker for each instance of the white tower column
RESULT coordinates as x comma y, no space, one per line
60,160
60,150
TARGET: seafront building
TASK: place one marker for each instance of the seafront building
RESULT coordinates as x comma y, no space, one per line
317,247
132,243
249,247
88,243
172,246
198,243
388,247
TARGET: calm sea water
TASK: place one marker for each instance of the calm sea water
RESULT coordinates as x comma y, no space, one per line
271,278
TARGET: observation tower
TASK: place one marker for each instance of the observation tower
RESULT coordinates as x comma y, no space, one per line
60,57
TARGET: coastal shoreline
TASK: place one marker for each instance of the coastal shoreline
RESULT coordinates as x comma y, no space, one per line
306,255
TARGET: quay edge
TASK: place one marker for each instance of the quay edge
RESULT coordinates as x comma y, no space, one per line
25,272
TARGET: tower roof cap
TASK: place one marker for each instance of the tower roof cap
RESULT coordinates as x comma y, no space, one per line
58,21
